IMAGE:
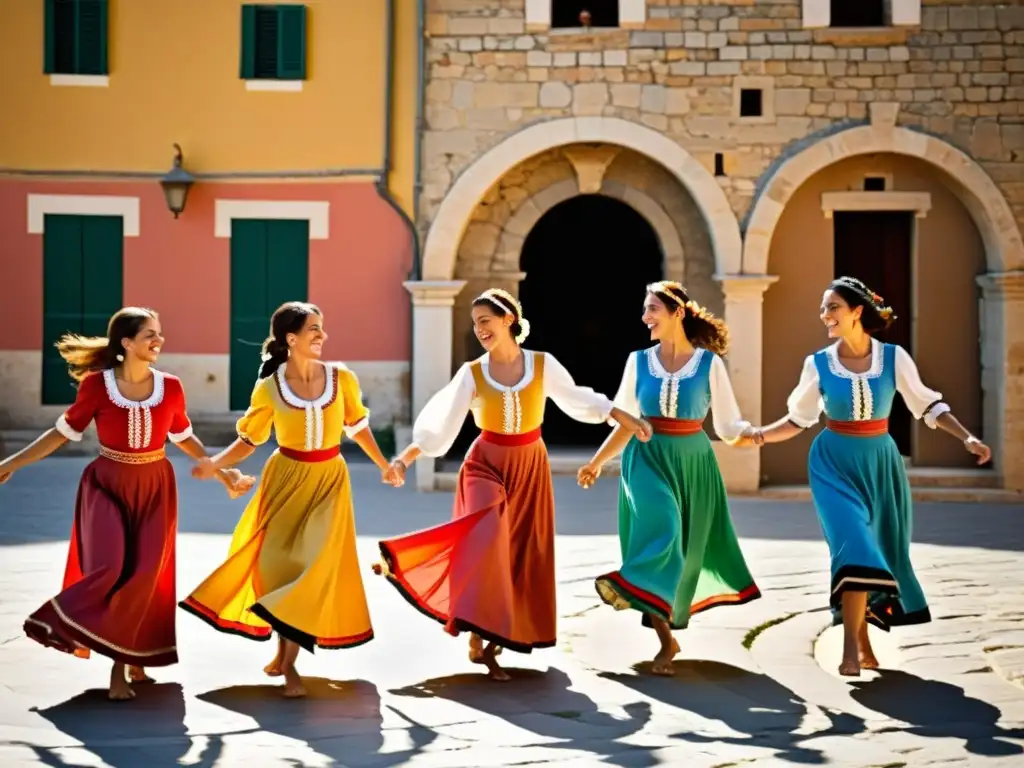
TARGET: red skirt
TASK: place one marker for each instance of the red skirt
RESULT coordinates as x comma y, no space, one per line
491,569
119,590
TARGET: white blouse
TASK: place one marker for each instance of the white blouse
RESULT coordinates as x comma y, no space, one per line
805,404
725,411
439,422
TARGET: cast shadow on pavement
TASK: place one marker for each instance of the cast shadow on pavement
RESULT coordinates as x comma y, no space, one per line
543,703
339,719
157,713
938,710
765,713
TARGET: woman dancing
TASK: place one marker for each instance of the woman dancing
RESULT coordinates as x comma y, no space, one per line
490,571
680,555
119,592
292,567
858,479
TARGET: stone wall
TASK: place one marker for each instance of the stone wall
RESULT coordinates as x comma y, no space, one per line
960,75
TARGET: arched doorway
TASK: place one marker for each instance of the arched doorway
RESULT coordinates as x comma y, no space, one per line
587,261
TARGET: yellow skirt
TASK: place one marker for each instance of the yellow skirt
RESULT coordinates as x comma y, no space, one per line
292,567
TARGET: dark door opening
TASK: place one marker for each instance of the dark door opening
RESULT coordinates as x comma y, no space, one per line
587,262
876,248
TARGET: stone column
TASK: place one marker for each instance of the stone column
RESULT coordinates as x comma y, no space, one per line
744,305
1002,372
432,302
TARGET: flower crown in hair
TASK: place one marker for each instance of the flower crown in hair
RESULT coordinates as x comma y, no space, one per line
663,287
884,312
506,301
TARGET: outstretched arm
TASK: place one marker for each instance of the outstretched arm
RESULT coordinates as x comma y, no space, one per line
584,404
804,405
40,448
926,404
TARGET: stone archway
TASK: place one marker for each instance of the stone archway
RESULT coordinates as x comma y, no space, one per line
442,243
1002,303
530,212
434,295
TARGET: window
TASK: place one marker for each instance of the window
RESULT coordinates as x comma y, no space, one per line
273,42
857,13
875,184
75,37
567,13
750,102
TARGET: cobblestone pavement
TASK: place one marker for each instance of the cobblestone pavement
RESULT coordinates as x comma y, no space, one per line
755,684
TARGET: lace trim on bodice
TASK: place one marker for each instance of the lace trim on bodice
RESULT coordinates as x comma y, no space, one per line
140,418
668,397
314,408
862,398
511,405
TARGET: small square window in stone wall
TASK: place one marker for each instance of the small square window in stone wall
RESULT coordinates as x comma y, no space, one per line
860,13
857,13
561,14
753,99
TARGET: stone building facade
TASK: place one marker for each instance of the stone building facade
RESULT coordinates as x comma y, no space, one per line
768,144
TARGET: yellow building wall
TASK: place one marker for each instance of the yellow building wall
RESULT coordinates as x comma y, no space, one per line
174,77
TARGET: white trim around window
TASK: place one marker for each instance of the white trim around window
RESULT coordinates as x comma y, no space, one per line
632,13
280,86
317,212
817,14
83,205
81,81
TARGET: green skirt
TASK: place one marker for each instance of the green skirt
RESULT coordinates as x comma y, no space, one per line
680,554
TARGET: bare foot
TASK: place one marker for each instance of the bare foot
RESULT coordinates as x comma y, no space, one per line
662,664
273,669
487,657
867,653
138,675
850,668
293,687
476,649
120,689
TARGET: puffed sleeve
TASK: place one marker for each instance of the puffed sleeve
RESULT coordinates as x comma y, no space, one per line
74,421
625,398
923,402
725,411
357,415
255,425
181,424
579,403
441,419
804,403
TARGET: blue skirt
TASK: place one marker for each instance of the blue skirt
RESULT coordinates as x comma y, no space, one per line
862,496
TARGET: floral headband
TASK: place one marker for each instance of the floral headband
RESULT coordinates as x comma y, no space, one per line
665,287
506,302
885,312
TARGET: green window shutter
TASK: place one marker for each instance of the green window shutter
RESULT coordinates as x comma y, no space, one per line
266,42
291,42
60,48
248,63
91,37
249,316
49,38
62,300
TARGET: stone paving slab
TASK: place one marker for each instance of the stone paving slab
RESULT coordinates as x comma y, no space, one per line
755,684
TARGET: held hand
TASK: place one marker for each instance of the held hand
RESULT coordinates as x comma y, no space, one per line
750,437
238,484
204,469
973,445
640,428
394,475
587,475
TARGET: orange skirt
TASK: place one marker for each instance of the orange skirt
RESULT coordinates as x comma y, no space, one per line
491,569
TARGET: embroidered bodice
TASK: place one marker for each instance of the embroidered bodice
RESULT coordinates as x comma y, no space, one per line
124,425
305,425
703,384
827,386
508,410
497,408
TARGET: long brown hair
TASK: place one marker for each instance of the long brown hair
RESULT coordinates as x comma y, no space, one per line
702,328
88,354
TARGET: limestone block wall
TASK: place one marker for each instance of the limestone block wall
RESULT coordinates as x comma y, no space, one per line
960,75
